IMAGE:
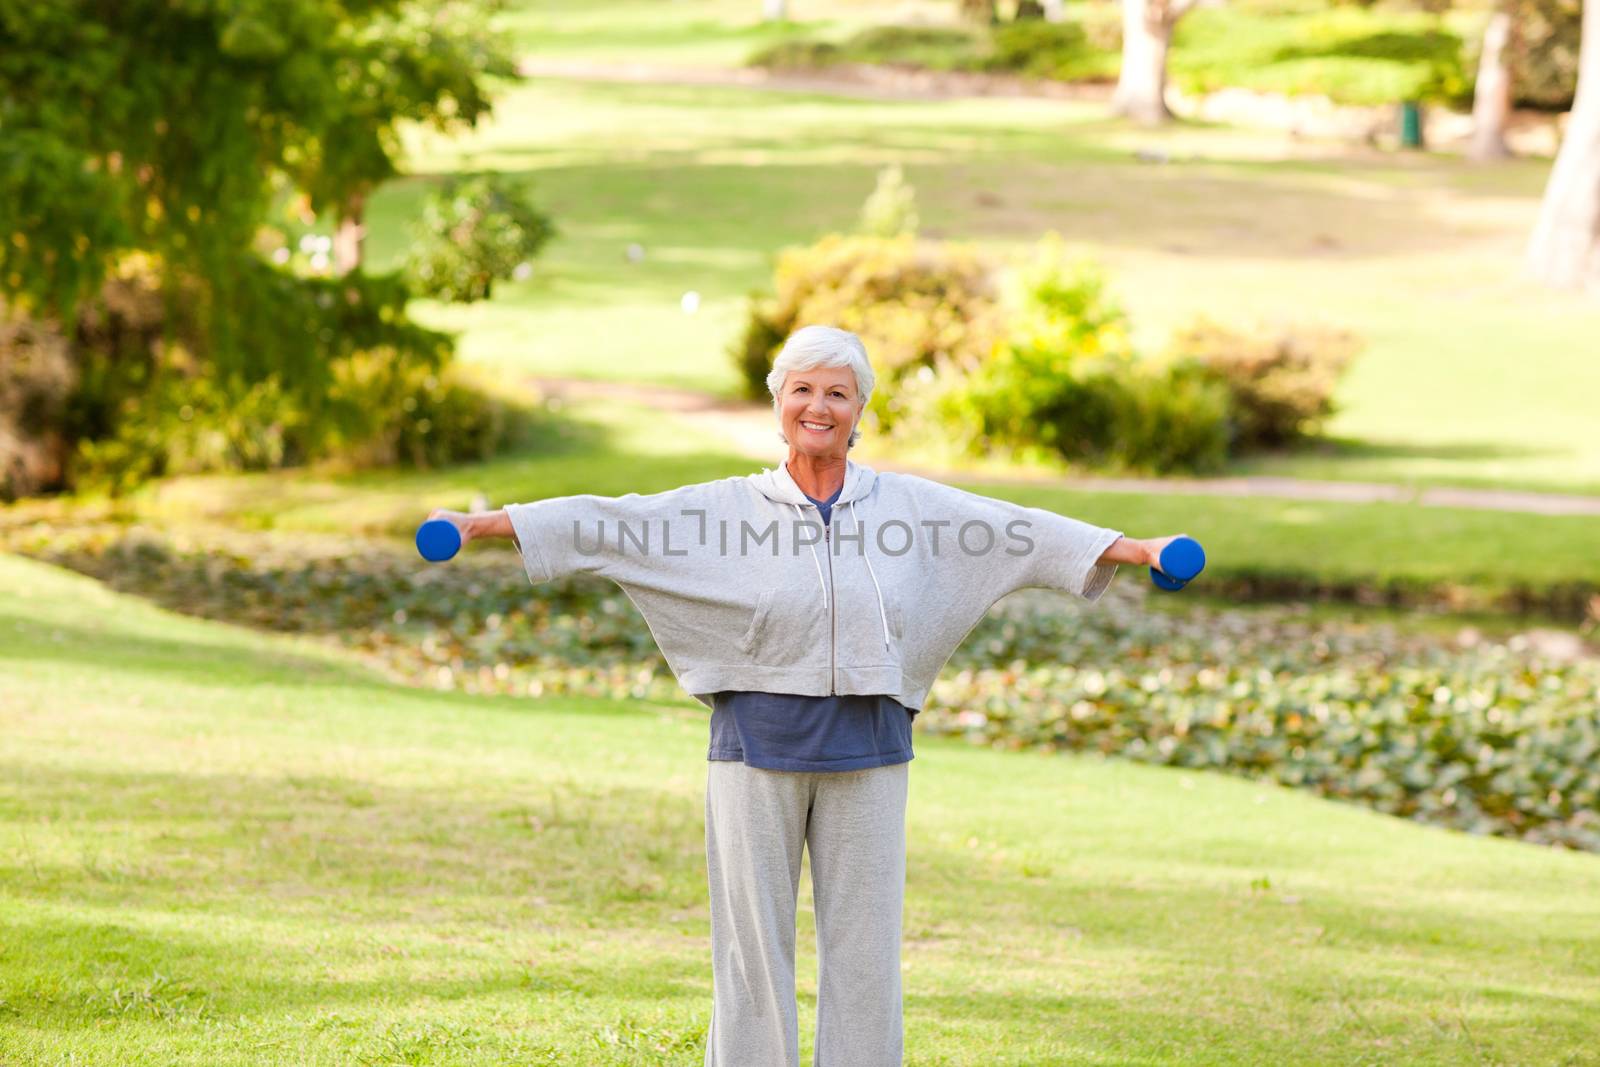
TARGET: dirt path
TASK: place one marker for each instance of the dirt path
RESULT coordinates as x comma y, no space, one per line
749,428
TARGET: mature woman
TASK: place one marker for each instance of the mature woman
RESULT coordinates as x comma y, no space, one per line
810,607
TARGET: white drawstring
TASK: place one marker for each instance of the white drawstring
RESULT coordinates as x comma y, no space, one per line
882,615
815,560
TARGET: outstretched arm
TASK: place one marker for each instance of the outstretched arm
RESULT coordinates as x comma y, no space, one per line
1144,553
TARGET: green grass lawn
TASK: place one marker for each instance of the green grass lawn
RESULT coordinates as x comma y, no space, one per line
218,847
1472,374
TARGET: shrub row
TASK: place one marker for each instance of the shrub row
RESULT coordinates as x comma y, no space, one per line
119,395
1044,369
1487,736
1352,56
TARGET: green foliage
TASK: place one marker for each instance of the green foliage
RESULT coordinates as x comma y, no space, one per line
929,47
129,400
1043,49
475,230
151,137
1281,379
891,209
1065,382
1351,54
1488,737
1170,417
1066,307
801,54
1481,735
160,127
914,304
37,378
1544,65
1138,418
1054,376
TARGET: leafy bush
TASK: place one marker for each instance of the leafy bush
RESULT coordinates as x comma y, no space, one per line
133,402
1544,68
798,55
475,230
913,303
927,47
891,209
1480,735
437,417
1065,382
1486,737
1281,379
1171,417
1140,418
1043,49
1353,56
920,47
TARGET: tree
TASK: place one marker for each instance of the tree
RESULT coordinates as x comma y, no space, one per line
155,137
168,129
1491,98
983,12
1565,249
1146,38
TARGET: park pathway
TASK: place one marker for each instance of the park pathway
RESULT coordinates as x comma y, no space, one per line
749,428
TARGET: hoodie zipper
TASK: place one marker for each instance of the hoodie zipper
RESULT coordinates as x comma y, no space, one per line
833,606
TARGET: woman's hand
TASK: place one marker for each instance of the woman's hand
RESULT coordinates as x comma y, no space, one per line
1154,547
1146,553
477,525
459,519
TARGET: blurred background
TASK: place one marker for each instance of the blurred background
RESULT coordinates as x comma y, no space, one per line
1312,281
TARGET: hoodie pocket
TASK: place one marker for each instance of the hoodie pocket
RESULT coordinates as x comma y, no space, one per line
758,622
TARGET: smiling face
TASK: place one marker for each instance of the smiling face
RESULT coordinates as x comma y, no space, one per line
818,408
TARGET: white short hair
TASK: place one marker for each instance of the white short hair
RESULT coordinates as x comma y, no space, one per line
823,346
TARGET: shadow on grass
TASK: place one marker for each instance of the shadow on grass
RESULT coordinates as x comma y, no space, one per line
196,660
87,975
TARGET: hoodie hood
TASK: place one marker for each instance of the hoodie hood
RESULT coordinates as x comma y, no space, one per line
779,485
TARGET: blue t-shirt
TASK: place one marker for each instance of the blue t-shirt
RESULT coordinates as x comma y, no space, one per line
786,732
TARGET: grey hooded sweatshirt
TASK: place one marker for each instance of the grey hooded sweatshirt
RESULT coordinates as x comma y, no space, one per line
743,588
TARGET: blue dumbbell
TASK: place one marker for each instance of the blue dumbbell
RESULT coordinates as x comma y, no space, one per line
438,540
1180,561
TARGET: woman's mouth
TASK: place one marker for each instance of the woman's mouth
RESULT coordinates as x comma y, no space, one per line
816,427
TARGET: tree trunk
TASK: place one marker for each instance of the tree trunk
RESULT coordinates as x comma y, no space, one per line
980,11
1142,82
350,237
1491,100
775,10
1055,10
1565,250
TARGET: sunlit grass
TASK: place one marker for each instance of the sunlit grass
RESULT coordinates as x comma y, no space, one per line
223,848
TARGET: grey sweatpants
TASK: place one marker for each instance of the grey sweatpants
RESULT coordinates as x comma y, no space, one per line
854,823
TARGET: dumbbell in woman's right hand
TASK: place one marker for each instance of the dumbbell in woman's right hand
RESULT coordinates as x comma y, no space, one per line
1178,561
442,536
